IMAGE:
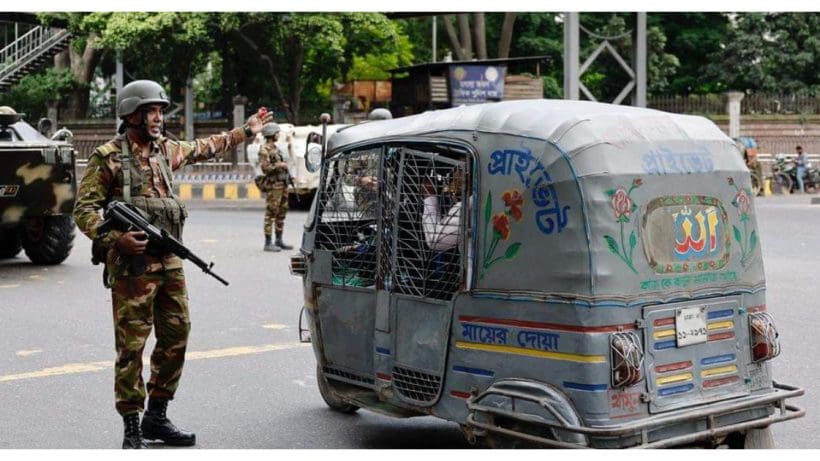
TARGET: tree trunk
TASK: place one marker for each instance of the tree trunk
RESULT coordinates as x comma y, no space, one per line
479,35
506,35
451,34
464,33
295,81
83,66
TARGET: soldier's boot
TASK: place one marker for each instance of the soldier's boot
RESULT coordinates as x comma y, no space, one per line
270,246
157,426
282,244
133,435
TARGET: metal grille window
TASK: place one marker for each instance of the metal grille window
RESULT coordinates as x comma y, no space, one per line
348,219
422,200
392,216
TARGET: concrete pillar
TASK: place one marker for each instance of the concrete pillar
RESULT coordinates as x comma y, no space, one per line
435,31
571,56
733,99
189,108
119,80
639,63
52,112
239,103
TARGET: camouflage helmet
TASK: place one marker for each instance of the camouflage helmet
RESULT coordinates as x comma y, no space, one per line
139,93
270,130
380,114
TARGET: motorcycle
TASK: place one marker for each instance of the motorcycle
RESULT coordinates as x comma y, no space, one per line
811,178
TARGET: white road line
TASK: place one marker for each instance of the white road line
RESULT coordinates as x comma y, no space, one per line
90,367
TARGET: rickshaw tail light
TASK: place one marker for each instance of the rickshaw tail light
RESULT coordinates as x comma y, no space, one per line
626,359
763,337
297,265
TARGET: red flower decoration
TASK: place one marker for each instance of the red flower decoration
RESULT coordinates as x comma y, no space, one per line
501,224
743,202
622,204
731,181
637,182
514,201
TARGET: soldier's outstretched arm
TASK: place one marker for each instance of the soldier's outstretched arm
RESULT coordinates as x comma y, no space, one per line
181,153
92,195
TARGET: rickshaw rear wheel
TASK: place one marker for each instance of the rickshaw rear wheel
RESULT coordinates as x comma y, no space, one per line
751,439
499,441
330,397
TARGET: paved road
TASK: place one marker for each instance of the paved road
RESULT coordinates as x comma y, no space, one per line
248,383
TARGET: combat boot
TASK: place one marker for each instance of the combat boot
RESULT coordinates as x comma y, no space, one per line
157,426
270,246
282,244
133,435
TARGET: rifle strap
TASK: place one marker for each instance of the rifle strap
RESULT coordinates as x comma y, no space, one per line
126,169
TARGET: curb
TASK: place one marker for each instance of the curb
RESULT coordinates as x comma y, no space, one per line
215,191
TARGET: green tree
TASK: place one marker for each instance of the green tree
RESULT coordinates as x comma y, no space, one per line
692,38
34,92
81,57
300,54
769,52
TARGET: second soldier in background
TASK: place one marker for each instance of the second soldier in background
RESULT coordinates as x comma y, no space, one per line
275,170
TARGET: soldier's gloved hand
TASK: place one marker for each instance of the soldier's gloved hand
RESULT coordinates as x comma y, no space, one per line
258,119
132,243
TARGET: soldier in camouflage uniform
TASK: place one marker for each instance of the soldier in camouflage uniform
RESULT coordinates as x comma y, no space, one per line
136,167
276,178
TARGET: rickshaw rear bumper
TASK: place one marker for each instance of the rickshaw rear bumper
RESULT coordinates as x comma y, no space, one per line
705,422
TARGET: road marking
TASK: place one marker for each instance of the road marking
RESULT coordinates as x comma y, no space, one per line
36,277
209,241
274,326
77,368
13,285
25,353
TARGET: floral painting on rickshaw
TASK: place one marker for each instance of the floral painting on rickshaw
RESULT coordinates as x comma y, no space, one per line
624,206
747,240
501,228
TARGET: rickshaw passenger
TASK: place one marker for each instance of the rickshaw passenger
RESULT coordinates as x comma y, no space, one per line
442,234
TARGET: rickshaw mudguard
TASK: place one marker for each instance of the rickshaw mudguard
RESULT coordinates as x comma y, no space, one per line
717,419
530,402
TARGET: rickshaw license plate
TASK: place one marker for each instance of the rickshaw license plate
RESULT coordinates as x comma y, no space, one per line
690,326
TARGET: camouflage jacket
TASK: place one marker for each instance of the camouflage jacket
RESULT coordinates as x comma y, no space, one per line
269,156
103,181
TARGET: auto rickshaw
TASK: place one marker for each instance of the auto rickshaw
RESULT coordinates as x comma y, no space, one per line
562,273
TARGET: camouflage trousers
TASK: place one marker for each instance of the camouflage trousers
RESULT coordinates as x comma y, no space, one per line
276,207
158,300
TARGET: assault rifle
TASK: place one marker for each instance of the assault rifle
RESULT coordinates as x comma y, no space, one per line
126,218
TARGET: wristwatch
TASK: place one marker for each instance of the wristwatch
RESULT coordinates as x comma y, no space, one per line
248,131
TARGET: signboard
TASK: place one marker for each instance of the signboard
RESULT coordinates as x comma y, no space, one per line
474,84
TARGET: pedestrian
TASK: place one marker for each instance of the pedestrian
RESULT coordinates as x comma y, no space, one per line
275,170
146,290
802,163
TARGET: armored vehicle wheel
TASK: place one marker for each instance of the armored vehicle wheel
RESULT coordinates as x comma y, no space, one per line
752,439
10,243
329,396
48,240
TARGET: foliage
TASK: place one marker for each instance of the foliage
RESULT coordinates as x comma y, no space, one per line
34,91
691,37
769,52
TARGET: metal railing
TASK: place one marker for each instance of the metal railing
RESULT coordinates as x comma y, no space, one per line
28,47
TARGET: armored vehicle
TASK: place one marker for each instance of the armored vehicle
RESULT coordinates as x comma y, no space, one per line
37,189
